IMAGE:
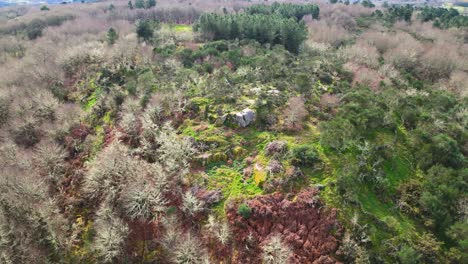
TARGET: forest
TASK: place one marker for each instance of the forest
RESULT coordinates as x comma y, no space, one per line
240,131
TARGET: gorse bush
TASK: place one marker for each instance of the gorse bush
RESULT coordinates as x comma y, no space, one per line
305,155
145,29
34,29
244,210
271,29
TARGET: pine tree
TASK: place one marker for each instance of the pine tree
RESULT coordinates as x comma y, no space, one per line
145,30
139,4
150,3
112,36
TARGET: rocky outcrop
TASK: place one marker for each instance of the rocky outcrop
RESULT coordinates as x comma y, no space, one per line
306,226
244,117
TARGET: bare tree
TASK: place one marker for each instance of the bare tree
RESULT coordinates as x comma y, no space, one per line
294,114
144,199
275,251
191,205
190,250
111,233
219,229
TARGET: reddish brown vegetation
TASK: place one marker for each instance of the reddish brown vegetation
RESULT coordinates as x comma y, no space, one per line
305,225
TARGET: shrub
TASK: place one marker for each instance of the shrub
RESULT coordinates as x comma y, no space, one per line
244,211
44,8
406,54
446,151
131,125
4,111
437,63
34,28
361,53
408,255
305,155
145,29
27,134
274,167
382,41
322,32
275,147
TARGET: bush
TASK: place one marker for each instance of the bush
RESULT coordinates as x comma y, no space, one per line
34,28
305,155
4,111
437,63
446,151
274,167
145,29
27,134
275,147
244,210
361,53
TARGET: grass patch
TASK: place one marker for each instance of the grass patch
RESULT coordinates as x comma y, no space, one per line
232,185
182,28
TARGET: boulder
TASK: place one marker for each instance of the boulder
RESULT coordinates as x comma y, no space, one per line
244,117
